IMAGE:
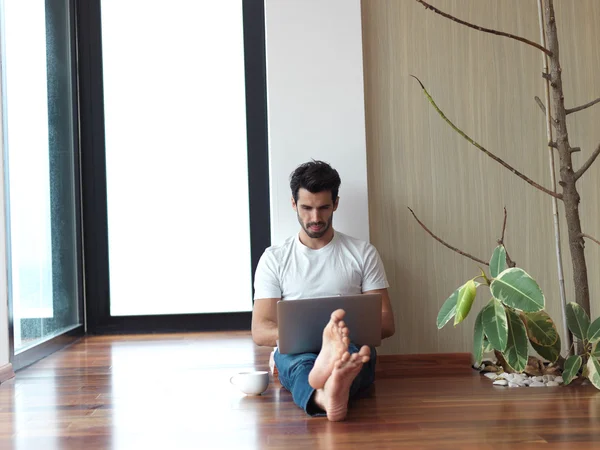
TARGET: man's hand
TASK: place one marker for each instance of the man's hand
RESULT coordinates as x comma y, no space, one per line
264,322
388,327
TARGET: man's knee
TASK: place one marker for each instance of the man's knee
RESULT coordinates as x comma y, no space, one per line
290,364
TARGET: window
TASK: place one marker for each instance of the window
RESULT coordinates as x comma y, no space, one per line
174,161
176,157
41,170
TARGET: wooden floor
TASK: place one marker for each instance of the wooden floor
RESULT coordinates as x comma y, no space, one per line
173,392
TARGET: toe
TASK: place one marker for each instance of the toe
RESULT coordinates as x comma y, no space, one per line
345,357
337,315
365,351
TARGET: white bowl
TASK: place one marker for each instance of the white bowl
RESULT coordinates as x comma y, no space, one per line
251,383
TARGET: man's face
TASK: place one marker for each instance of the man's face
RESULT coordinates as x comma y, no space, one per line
315,212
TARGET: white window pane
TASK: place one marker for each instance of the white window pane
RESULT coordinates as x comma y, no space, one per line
28,155
44,258
177,183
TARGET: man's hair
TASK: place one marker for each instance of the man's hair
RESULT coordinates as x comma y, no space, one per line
315,176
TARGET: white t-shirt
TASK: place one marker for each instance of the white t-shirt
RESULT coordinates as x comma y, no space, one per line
345,266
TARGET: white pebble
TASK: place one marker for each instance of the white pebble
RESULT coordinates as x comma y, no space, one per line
538,379
537,384
501,382
527,381
559,380
491,375
547,378
551,383
511,384
508,376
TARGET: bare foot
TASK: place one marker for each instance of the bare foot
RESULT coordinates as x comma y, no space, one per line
333,398
335,344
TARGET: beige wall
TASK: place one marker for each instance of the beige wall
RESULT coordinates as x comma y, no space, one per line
485,84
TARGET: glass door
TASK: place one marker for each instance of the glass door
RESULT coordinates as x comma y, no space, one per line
40,145
175,162
176,157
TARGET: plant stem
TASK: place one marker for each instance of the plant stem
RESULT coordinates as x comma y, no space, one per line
485,30
582,107
570,195
590,238
567,337
588,163
509,261
484,150
484,277
445,243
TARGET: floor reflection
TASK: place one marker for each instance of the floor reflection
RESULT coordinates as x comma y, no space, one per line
180,390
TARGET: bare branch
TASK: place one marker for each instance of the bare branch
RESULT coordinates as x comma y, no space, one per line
540,104
509,261
579,108
485,30
445,243
503,228
590,238
588,163
480,147
543,108
575,149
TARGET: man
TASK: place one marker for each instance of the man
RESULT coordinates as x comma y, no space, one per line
320,262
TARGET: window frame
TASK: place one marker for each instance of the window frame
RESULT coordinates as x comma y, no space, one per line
47,346
93,172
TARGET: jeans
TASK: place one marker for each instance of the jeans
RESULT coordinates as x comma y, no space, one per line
293,375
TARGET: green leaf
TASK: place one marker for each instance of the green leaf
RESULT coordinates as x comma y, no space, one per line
516,348
466,295
596,350
572,366
585,372
498,261
550,353
495,324
577,320
515,288
593,334
478,340
593,371
487,347
540,328
447,310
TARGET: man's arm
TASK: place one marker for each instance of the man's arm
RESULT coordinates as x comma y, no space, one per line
264,322
388,327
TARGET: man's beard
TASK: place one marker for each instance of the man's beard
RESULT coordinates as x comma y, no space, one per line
315,234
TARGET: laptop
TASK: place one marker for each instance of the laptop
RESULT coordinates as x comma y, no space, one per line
301,322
